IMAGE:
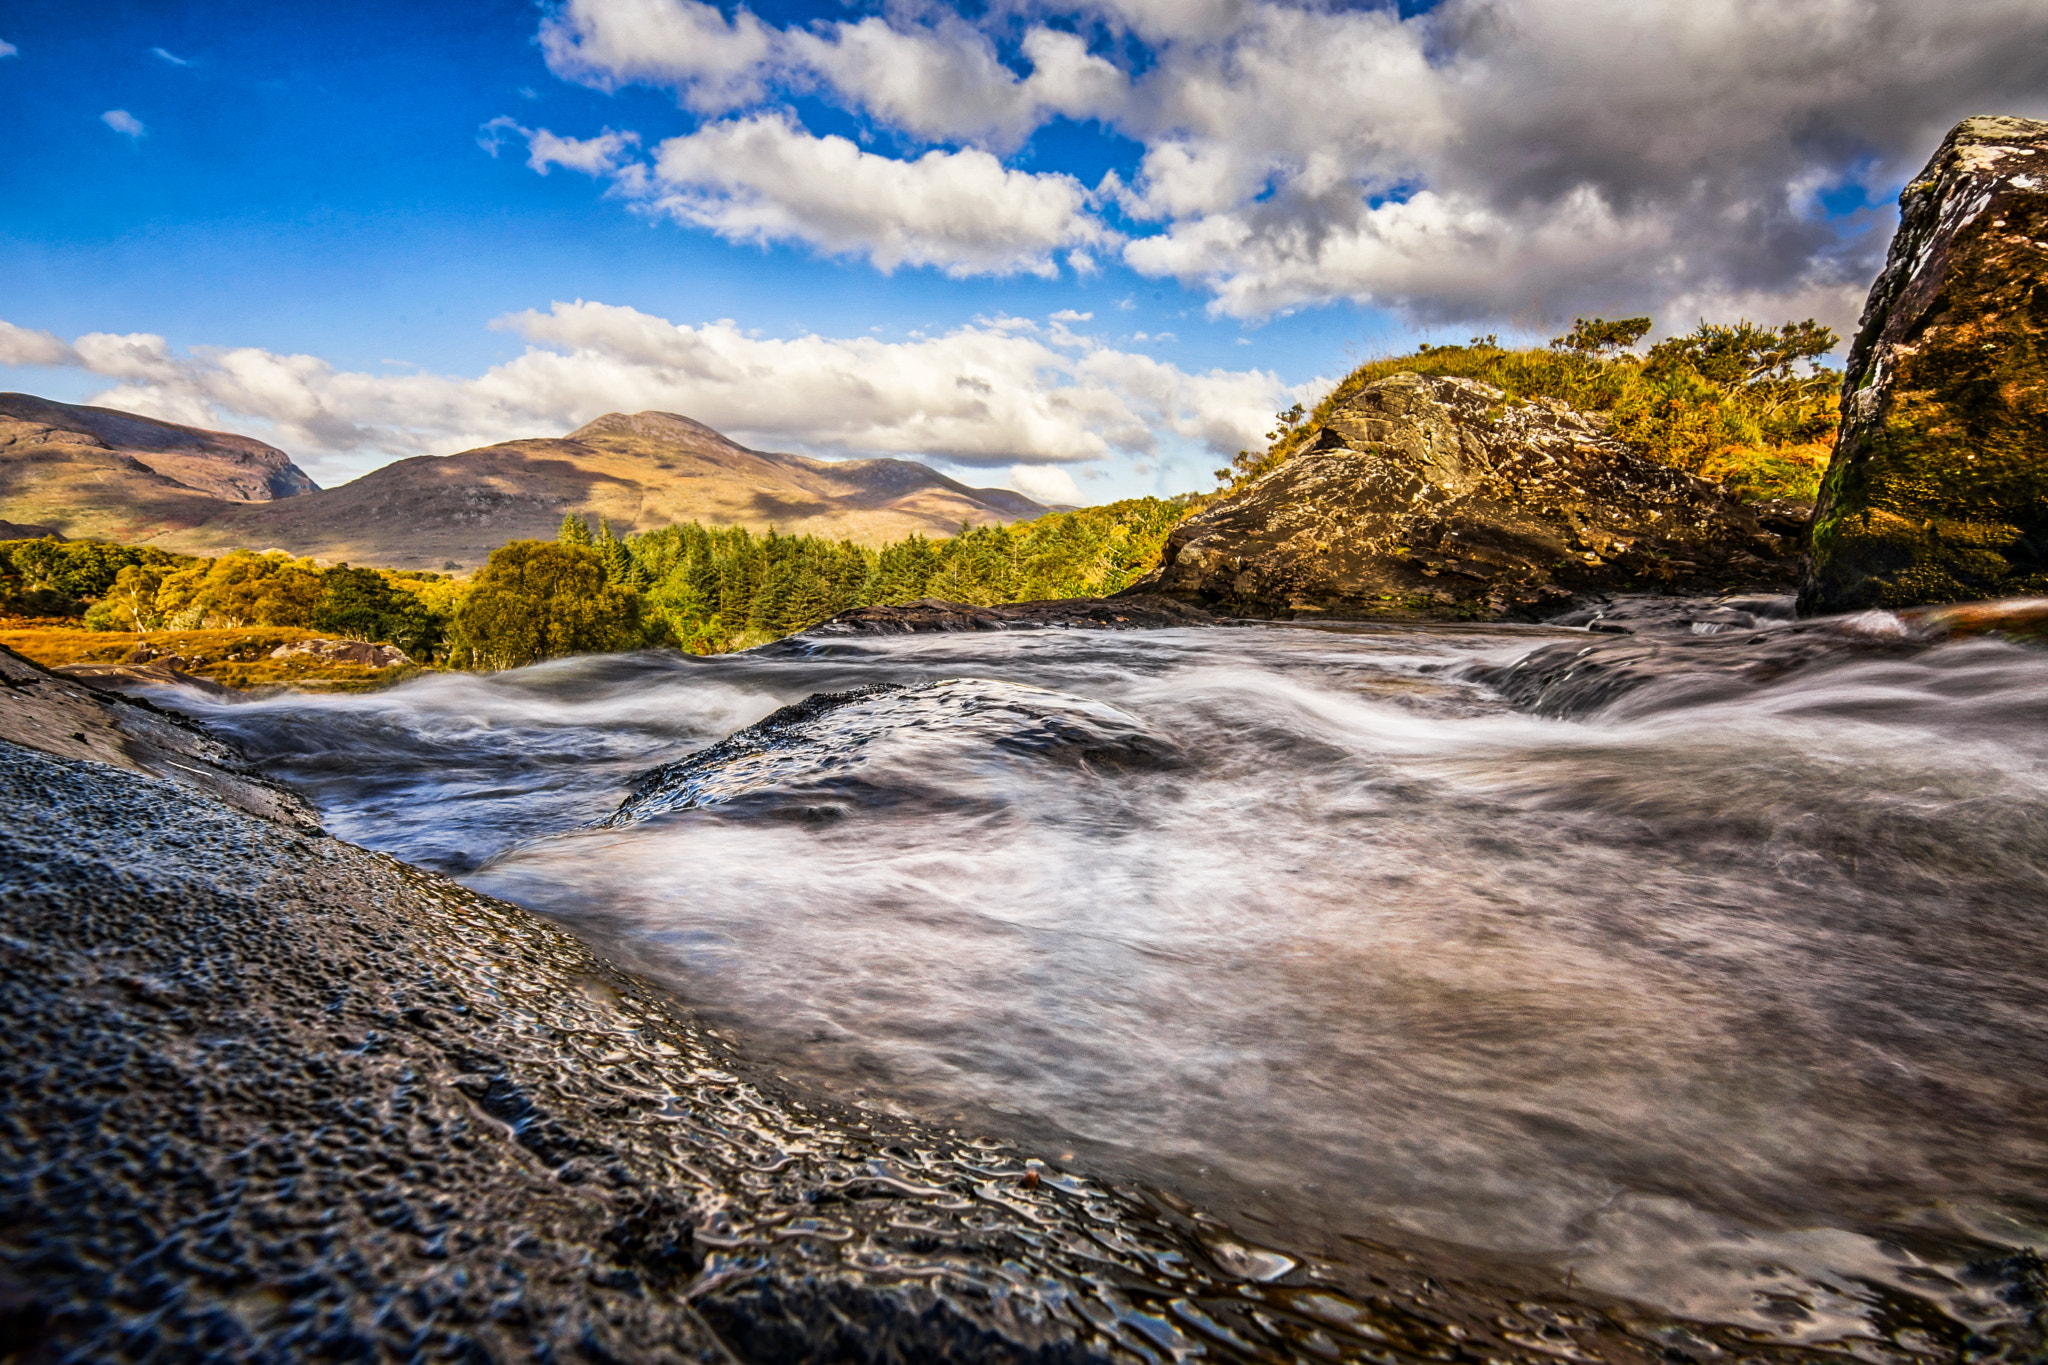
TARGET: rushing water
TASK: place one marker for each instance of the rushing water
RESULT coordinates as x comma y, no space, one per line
1736,1009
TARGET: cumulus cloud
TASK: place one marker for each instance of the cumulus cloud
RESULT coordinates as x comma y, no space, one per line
20,346
1494,158
1004,393
1045,482
121,121
765,179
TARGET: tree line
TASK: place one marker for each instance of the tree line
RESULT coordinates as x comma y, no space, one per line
702,589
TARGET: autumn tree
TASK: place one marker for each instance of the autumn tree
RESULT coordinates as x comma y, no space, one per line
536,600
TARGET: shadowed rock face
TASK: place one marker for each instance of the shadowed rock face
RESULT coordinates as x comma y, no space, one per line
1938,490
1435,497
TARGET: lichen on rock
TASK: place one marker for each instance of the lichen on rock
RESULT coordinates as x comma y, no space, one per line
1938,489
1434,497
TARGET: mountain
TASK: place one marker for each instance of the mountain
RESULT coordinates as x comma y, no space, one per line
639,471
101,472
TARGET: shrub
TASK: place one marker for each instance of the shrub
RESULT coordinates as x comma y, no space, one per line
538,600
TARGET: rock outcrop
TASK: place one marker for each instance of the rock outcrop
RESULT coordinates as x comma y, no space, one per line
1432,497
1938,490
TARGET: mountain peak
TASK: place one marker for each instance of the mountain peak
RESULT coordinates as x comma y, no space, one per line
663,426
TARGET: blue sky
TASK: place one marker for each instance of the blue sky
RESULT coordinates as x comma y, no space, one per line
1086,247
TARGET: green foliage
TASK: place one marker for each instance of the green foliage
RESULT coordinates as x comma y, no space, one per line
1723,402
715,590
575,530
49,577
1598,336
535,600
363,604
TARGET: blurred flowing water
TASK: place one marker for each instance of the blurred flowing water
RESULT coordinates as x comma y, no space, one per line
1736,1009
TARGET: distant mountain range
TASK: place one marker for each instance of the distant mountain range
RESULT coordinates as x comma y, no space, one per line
84,471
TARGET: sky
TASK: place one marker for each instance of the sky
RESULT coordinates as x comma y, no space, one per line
1083,249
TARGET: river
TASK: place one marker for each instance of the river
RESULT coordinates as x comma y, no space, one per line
1737,1009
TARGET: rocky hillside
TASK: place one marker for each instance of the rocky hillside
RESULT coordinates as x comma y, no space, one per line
84,471
1429,496
639,471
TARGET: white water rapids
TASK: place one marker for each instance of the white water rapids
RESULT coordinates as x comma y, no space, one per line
1739,1010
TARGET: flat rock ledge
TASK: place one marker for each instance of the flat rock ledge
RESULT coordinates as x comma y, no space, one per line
1137,611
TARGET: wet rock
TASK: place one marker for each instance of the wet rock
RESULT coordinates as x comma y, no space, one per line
77,716
168,671
1135,611
842,746
1430,497
1938,490
345,652
1698,667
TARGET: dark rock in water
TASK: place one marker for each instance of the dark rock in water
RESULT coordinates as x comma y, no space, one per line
1938,490
1702,666
1429,497
832,744
1134,611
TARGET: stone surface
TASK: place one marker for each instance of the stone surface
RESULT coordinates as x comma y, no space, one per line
1128,611
1938,490
824,745
134,677
86,718
1431,497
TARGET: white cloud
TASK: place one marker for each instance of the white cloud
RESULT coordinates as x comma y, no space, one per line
1047,483
1486,158
717,63
121,121
1000,394
8,49
170,57
765,179
20,346
600,155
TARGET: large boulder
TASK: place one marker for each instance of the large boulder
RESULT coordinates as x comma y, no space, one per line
1426,496
1938,490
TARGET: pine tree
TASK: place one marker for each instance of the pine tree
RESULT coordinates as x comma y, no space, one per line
575,531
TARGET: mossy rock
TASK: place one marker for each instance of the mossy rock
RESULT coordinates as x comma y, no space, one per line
1938,489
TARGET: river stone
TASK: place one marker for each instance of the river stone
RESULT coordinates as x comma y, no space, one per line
1938,489
1431,497
837,750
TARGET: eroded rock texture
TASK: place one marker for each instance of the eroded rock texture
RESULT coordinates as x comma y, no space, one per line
1435,497
1938,490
